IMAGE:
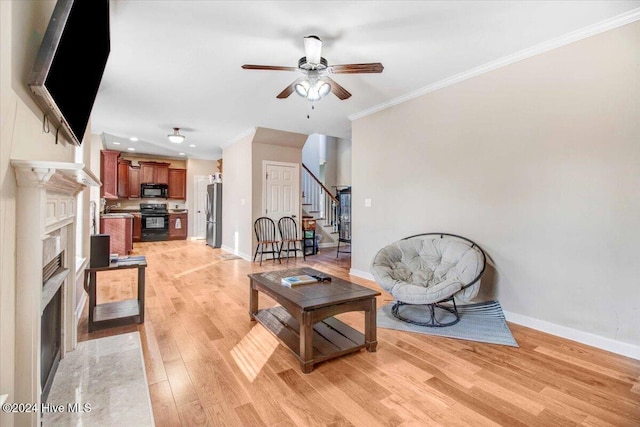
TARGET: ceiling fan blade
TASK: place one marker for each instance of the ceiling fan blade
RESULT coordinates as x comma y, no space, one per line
338,90
288,90
268,67
373,67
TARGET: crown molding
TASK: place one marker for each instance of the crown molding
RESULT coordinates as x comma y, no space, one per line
240,136
583,33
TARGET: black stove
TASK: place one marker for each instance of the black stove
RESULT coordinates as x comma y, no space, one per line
155,222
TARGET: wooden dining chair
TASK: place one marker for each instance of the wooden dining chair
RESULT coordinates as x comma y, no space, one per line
265,230
289,237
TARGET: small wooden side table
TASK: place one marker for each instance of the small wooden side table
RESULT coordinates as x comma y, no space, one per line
118,313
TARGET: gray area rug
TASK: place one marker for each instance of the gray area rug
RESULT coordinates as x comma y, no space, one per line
482,322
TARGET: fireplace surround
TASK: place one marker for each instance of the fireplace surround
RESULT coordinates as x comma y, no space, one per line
45,211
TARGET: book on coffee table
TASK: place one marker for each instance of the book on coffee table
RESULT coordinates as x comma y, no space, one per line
299,280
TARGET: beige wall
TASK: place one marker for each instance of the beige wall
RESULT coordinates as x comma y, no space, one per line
343,162
173,163
195,168
22,25
242,190
261,152
236,198
538,162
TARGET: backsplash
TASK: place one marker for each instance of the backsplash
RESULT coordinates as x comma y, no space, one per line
135,204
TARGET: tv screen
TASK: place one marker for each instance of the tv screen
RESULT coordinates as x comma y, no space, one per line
70,64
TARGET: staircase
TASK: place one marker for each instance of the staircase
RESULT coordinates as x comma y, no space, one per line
320,204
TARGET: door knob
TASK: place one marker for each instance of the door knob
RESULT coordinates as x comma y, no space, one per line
293,216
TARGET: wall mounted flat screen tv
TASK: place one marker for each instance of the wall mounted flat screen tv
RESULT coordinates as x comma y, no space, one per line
70,64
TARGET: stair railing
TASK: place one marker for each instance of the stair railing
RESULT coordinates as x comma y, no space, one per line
318,199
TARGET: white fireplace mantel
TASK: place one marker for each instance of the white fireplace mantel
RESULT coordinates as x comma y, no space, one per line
45,207
57,177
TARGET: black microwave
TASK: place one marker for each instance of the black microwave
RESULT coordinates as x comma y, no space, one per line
151,191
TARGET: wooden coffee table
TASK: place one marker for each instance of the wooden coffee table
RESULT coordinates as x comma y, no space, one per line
304,320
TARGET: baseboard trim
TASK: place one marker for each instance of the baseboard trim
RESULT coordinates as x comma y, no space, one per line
240,254
603,343
360,273
328,245
617,347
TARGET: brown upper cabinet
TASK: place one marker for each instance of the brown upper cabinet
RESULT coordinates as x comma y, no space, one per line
154,172
109,174
123,178
178,184
134,182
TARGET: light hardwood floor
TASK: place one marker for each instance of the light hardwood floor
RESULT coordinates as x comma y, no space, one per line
208,364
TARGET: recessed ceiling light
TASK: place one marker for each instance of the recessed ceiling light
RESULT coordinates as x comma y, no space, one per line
133,138
192,145
131,149
181,154
116,143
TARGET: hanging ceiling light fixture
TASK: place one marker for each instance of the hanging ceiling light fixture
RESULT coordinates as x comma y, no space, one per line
176,137
313,88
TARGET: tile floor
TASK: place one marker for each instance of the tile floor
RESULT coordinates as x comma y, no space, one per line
108,376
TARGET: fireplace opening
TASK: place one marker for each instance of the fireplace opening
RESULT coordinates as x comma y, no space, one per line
54,275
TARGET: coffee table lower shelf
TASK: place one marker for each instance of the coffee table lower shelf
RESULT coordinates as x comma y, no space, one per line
331,337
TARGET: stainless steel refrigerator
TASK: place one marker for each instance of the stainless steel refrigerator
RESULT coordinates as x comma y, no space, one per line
214,215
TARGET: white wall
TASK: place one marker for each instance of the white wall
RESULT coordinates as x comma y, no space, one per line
331,167
237,220
311,153
538,162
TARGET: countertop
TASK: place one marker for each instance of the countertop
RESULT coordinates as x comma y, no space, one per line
116,215
113,212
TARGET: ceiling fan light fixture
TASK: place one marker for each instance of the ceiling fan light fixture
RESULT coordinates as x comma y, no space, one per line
302,88
176,137
324,89
313,94
312,89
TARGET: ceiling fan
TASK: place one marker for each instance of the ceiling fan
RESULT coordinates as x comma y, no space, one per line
315,83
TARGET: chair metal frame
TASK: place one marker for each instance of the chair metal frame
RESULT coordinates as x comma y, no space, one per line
433,321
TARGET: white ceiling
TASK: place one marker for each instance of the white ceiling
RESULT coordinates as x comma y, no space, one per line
177,63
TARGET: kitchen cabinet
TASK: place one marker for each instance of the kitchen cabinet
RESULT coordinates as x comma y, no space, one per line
178,226
134,182
120,230
178,184
154,172
137,227
162,173
109,173
123,178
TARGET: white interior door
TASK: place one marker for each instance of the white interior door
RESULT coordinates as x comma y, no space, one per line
199,228
281,190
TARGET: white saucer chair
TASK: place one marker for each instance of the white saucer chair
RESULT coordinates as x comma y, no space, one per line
432,269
